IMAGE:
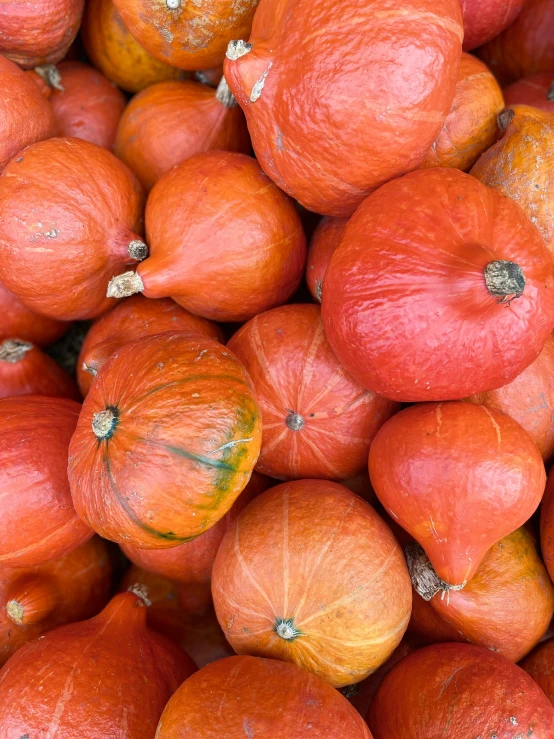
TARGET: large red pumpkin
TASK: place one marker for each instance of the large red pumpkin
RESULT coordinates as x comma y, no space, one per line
458,477
38,521
317,420
429,302
336,109
323,245
166,440
485,19
309,573
25,370
536,91
170,122
106,677
58,253
249,697
540,666
224,241
18,320
465,690
547,525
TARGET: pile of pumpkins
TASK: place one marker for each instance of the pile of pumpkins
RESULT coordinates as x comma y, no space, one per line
276,369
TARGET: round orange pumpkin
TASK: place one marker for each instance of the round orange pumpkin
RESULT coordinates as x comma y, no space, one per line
540,666
224,241
25,370
57,253
485,19
547,526
323,245
167,439
536,91
18,320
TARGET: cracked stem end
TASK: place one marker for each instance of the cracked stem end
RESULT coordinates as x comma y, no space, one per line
51,75
224,95
236,49
13,350
504,279
137,250
121,286
425,580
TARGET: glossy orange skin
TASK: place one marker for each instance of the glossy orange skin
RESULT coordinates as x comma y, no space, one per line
451,336
458,477
132,319
70,246
225,242
193,36
470,127
531,91
18,320
170,122
240,697
294,371
547,526
314,554
521,166
111,675
58,592
529,400
485,19
324,129
468,689
506,606
36,374
38,32
38,521
181,450
323,245
116,53
25,113
539,666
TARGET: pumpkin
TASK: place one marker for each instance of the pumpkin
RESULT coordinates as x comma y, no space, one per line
520,165
325,129
318,422
309,573
25,113
485,19
171,121
57,253
117,54
25,370
129,320
185,35
539,665
422,302
249,697
224,241
470,127
71,681
526,47
458,478
34,600
18,320
547,526
38,521
38,32
466,690
536,91
166,440
323,245
529,400
506,606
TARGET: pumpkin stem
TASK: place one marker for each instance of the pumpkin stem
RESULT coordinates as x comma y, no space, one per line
31,599
504,280
137,250
173,4
319,290
104,423
51,75
505,118
87,368
13,350
141,591
425,580
350,691
294,421
224,95
121,286
285,628
236,49
550,93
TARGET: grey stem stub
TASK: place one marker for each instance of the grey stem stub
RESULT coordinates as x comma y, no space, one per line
236,49
51,75
224,95
13,350
425,580
505,118
504,280
104,423
550,93
173,4
122,286
319,290
295,421
137,250
285,628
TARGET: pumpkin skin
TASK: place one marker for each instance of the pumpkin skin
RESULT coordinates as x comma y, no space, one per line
176,435
25,370
520,166
427,452
58,254
284,589
276,699
18,320
529,400
38,32
539,666
171,121
325,130
485,20
34,600
25,113
536,91
434,687
323,245
547,526
220,266
470,127
95,658
129,320
318,422
452,337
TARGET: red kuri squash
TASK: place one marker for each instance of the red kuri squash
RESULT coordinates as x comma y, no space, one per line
547,526
25,370
485,19
540,665
536,91
18,320
323,245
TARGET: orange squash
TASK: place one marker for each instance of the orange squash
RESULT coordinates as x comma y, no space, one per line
323,245
25,370
547,526
539,665
171,121
18,320
485,19
536,91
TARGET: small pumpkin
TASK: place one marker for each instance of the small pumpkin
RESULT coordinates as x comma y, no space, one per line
25,370
57,253
171,121
485,19
224,241
536,91
18,320
167,439
478,304
547,526
242,697
468,689
129,320
458,478
34,600
318,422
323,245
89,664
540,666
